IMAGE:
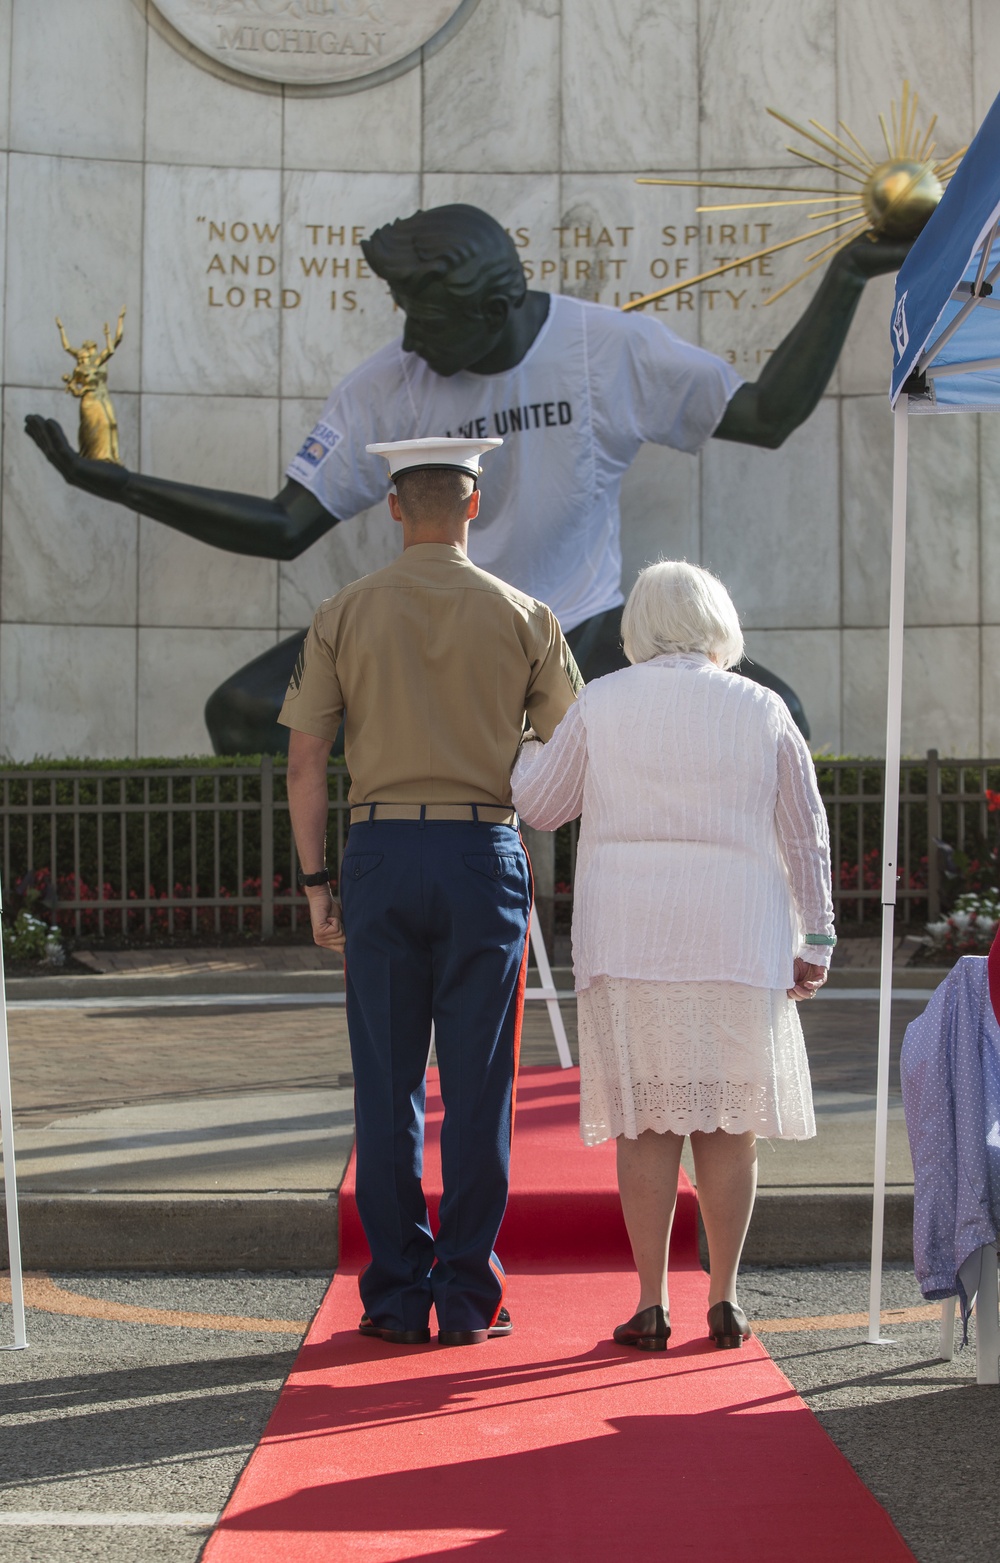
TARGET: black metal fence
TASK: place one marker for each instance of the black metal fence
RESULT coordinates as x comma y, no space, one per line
171,850
207,849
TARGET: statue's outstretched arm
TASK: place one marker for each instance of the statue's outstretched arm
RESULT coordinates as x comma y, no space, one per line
766,411
279,528
110,348
65,340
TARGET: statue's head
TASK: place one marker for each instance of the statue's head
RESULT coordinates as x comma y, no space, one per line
456,274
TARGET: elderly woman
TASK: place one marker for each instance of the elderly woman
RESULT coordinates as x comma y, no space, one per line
702,911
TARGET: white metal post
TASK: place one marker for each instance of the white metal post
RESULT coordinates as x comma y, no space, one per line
890,835
9,1174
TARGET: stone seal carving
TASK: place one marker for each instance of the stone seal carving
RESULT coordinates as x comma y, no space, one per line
314,42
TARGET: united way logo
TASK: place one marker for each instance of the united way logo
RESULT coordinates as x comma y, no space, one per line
319,445
315,42
900,330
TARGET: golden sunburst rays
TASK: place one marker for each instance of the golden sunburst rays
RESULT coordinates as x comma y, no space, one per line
892,197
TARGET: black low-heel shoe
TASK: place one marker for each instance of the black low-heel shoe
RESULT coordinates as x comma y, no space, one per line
728,1325
647,1331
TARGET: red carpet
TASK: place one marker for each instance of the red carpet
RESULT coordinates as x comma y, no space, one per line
554,1443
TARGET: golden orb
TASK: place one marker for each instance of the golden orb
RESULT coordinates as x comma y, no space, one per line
899,196
888,200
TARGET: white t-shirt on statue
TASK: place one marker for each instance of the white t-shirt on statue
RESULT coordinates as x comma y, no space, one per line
594,386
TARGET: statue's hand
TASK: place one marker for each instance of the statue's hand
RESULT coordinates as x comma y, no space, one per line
104,478
874,257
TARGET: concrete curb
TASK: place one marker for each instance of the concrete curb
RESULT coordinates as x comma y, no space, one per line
194,1233
181,984
902,977
176,1232
827,1226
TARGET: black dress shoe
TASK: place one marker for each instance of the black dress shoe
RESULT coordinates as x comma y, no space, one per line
501,1326
394,1337
728,1325
647,1331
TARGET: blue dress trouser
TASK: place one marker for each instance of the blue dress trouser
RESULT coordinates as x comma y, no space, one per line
436,916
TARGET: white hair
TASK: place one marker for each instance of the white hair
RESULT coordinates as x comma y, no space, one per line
676,606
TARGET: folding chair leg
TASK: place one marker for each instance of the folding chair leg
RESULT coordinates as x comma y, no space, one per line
988,1321
946,1347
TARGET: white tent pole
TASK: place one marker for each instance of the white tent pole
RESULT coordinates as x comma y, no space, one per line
10,1176
890,837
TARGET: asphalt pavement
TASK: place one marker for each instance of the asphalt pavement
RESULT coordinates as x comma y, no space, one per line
121,1437
121,1440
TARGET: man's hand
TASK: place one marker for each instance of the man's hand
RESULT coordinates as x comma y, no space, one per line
104,478
873,257
327,919
808,980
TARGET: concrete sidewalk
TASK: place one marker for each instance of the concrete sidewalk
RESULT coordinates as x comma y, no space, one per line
192,1110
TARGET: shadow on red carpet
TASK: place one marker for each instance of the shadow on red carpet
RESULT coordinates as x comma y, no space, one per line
553,1443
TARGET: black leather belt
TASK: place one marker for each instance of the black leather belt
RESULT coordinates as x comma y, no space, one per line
479,813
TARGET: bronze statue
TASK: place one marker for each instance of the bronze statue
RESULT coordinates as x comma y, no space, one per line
455,273
98,436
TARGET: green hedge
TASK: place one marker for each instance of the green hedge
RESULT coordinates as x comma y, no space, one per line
196,838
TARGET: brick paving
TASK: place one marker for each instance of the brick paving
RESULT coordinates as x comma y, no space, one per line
79,1060
70,1060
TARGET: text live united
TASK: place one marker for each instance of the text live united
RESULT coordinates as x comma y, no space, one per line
256,277
512,420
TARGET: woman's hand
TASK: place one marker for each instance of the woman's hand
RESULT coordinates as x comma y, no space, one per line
327,919
808,980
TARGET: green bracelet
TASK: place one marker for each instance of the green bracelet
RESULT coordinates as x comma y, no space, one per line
828,939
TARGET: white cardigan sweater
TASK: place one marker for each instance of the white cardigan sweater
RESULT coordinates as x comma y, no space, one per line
704,852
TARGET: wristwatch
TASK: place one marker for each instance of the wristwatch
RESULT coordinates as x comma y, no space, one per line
321,877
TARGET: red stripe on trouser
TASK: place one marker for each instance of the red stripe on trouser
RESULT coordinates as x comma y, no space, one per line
522,982
498,1272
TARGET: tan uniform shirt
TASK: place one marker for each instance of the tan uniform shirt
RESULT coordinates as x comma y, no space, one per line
433,664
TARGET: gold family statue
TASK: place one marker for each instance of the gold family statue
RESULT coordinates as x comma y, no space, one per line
98,438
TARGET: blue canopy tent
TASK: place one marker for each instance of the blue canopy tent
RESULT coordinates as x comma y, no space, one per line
945,334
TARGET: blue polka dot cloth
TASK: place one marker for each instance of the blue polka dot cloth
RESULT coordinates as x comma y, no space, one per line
950,1068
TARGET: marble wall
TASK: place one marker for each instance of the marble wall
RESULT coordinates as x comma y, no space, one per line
227,218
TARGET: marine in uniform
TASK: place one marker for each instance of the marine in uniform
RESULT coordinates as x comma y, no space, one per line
436,668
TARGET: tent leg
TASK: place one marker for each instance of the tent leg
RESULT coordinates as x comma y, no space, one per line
10,1178
890,847
875,1336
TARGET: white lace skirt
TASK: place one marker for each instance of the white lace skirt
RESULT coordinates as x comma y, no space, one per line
685,1056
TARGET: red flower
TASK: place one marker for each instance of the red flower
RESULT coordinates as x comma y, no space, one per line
992,801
